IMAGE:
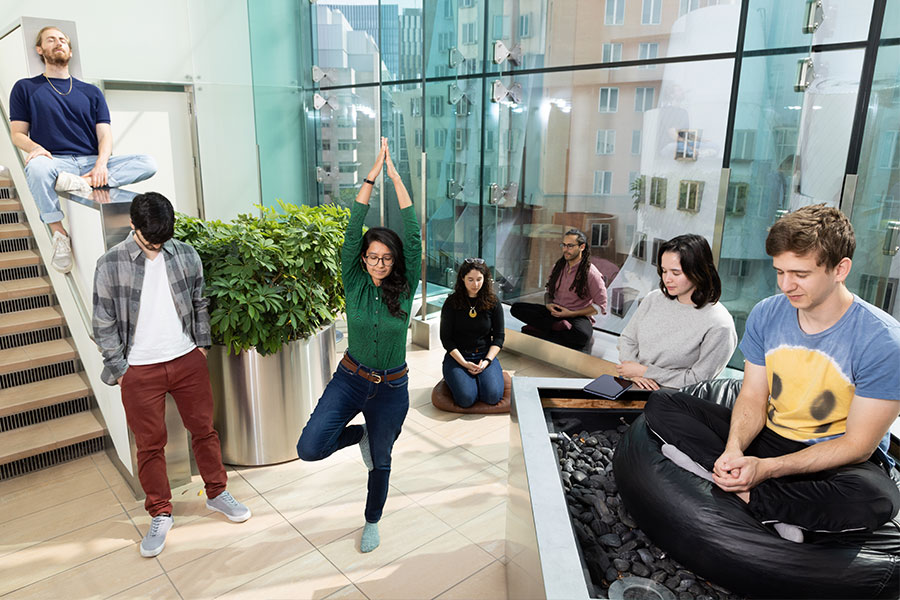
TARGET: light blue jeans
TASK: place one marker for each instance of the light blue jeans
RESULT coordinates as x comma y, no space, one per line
41,173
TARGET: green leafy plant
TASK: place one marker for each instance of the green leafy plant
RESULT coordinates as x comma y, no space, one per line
273,278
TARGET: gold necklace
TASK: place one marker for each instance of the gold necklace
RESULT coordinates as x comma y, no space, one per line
54,87
472,312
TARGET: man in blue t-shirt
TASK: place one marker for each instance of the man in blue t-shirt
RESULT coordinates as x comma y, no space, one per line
62,124
805,445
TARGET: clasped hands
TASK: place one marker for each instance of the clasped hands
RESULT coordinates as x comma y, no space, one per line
560,312
735,472
475,369
383,158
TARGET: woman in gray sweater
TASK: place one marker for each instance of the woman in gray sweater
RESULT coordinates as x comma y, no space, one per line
680,334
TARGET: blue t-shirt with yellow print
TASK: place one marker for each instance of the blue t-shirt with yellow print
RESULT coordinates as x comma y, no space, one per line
813,377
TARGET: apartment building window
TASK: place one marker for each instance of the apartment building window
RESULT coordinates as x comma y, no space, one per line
461,139
640,247
469,33
603,183
743,145
488,140
448,9
471,65
635,141
418,138
686,6
440,138
612,52
615,12
436,106
326,145
654,253
445,39
648,51
889,150
524,26
689,194
643,99
738,267
650,12
609,100
415,106
467,3
606,141
736,199
500,27
687,144
463,107
880,291
658,192
785,142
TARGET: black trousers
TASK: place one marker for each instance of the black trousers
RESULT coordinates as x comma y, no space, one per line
541,319
852,497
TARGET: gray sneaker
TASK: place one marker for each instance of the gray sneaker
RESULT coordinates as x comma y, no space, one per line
62,253
365,449
228,506
155,540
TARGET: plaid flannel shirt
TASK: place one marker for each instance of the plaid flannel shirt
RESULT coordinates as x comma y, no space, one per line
118,280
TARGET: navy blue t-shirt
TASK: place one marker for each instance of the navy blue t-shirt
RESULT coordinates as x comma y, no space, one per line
65,125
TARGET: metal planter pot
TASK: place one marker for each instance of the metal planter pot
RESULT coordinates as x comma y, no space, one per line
263,402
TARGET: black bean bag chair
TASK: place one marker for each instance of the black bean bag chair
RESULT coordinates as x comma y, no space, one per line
712,533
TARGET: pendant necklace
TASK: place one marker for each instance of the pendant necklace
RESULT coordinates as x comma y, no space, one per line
54,87
472,312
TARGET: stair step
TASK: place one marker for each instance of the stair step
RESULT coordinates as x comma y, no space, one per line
25,288
30,320
19,258
50,435
14,230
43,393
10,205
36,355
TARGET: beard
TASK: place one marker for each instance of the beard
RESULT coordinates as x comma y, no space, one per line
58,59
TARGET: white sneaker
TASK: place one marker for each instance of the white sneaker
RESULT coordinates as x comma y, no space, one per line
70,182
62,253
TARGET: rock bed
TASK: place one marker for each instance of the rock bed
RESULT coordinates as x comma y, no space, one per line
612,544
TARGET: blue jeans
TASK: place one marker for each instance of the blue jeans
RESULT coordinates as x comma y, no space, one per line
384,406
41,173
487,386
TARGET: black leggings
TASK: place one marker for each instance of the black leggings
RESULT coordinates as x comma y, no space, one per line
851,497
540,318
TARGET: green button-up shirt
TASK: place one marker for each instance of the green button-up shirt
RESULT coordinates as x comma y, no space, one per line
377,339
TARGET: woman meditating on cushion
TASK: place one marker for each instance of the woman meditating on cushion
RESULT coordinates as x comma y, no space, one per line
681,334
472,333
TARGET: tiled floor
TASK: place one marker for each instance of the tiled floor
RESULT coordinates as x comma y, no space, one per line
73,531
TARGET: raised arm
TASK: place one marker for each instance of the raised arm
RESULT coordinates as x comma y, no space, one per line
350,251
412,234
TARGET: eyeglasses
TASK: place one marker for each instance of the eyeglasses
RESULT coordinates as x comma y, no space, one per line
373,260
569,246
474,261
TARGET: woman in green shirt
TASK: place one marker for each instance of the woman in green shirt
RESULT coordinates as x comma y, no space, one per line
380,273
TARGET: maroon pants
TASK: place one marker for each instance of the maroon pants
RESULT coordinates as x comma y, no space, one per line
144,390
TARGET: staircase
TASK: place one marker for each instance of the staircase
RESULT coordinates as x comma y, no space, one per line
45,400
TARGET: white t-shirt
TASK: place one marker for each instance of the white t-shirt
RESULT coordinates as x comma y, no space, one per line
158,336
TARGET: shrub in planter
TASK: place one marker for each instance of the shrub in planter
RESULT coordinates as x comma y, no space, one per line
273,278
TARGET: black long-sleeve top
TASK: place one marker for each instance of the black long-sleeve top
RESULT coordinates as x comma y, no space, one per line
459,330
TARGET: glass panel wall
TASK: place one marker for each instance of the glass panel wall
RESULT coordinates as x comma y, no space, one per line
606,115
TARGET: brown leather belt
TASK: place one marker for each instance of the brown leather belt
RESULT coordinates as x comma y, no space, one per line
370,375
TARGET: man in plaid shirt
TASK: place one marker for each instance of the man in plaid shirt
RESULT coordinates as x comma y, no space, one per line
152,326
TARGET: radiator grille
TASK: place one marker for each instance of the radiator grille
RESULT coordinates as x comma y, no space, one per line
52,457
8,306
8,218
15,244
22,272
7,193
31,337
37,374
45,413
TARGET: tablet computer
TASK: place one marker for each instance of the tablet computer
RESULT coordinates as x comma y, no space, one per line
607,386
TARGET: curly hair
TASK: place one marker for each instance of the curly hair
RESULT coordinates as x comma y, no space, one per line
484,300
580,284
395,285
697,265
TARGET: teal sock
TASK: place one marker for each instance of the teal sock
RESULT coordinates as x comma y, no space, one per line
370,538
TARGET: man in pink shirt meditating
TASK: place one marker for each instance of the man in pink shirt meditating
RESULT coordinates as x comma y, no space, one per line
574,289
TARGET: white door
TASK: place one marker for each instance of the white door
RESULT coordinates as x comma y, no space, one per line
146,120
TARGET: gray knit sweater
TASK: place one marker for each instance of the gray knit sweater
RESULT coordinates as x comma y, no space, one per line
678,343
